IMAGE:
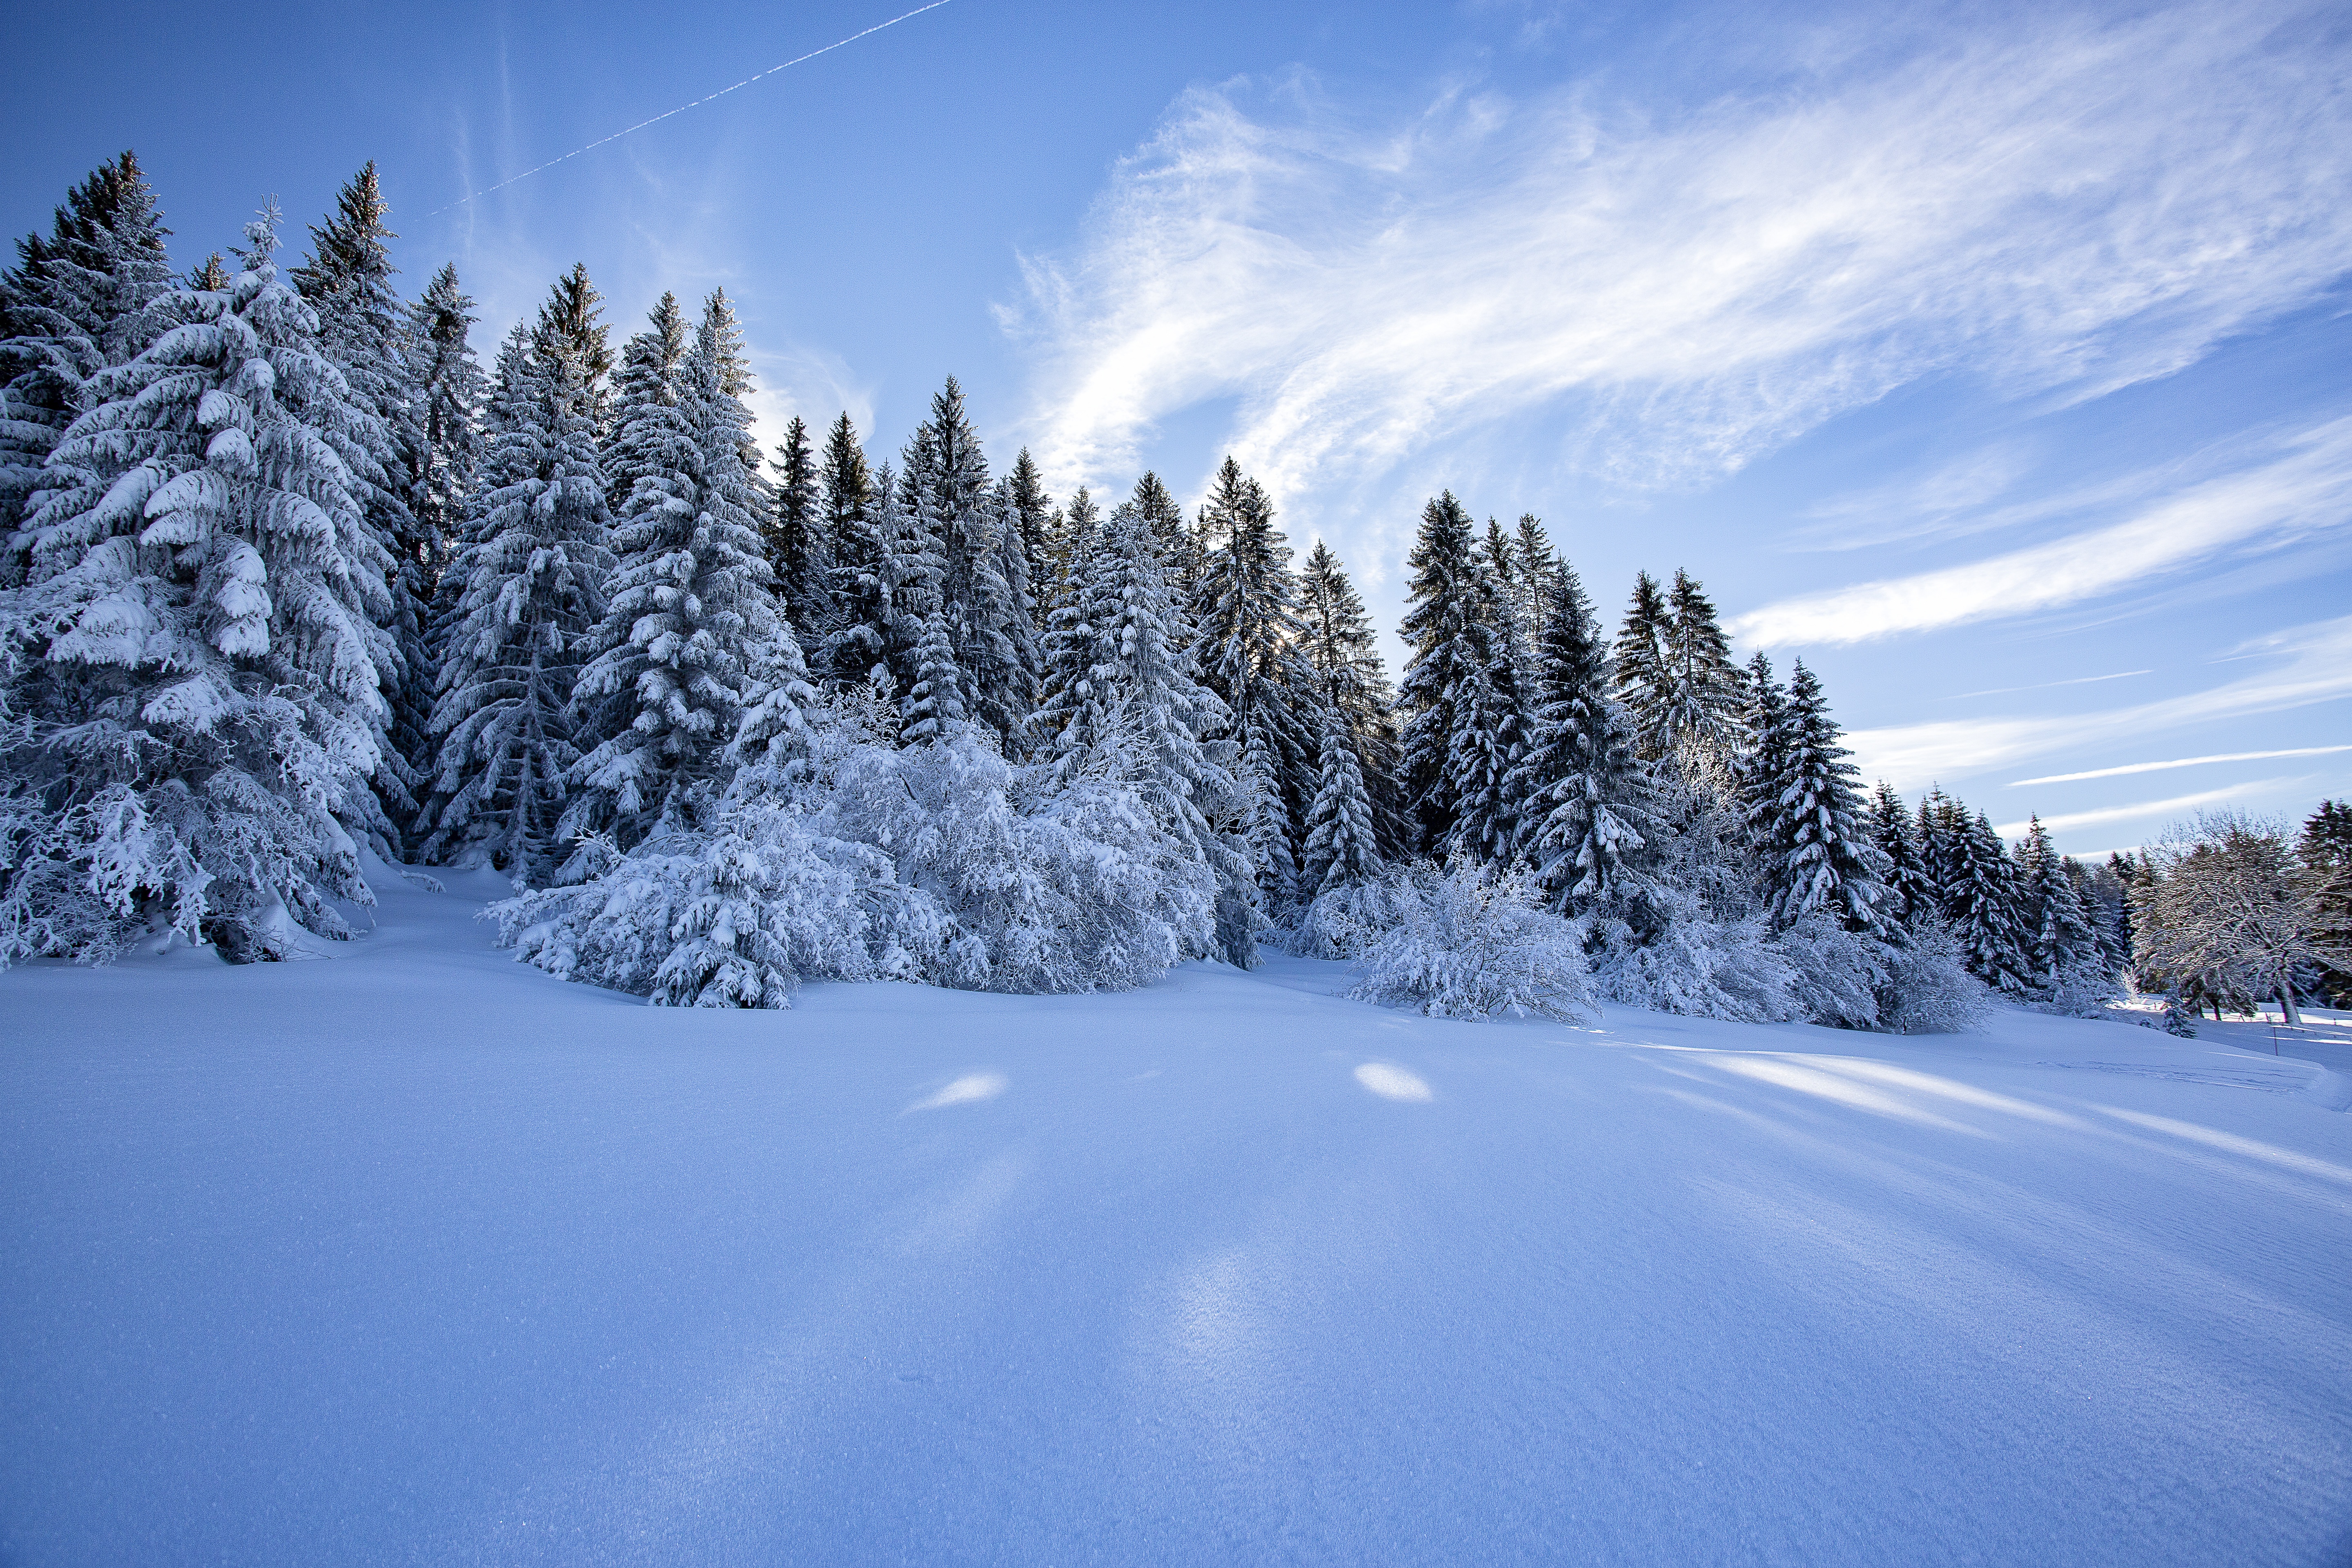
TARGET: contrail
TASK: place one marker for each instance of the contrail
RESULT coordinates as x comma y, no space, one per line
682,108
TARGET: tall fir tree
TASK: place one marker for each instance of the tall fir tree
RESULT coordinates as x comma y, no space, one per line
82,299
1451,648
691,636
1070,723
1982,906
528,591
1590,831
1913,897
199,642
571,326
1248,627
1643,683
446,386
796,540
1698,717
1341,647
649,433
1342,849
1811,826
952,503
1180,548
363,332
1031,513
2056,929
857,642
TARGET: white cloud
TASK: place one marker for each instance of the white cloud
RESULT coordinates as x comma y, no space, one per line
2174,807
2185,763
2051,202
2317,668
2307,489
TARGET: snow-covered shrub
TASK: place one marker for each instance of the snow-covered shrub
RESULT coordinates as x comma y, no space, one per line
1473,944
843,858
1346,920
1834,973
1695,967
1928,990
2081,990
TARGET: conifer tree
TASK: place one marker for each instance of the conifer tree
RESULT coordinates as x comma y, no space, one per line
858,643
1248,627
199,641
797,538
691,636
1589,830
650,434
1763,763
1643,684
1342,849
363,332
1812,829
1451,648
1912,894
78,300
2059,938
569,327
1532,550
528,593
446,388
1981,903
1031,512
1699,714
955,508
1341,649
1181,549
1070,723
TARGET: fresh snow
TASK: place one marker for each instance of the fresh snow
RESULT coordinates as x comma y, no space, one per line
417,1255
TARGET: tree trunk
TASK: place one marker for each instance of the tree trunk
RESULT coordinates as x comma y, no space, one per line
2286,1004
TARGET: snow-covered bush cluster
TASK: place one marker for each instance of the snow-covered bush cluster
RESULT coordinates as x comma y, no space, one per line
287,576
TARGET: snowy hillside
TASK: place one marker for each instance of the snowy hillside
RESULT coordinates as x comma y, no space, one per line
418,1255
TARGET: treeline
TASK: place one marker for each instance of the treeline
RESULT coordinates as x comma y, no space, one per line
289,573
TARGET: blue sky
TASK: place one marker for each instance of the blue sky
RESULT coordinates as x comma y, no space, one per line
1997,363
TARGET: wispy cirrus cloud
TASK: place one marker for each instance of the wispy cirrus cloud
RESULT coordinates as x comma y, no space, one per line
2066,821
2315,666
2184,763
2056,201
2304,489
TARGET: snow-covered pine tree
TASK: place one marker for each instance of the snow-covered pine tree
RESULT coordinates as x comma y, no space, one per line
1015,566
1912,894
1644,685
1941,826
528,591
858,643
570,326
1981,905
1452,648
1532,551
1169,724
910,572
76,301
1341,648
935,704
447,387
1248,627
1031,512
1818,855
2059,941
1589,831
955,506
363,332
1082,517
1700,716
797,538
1069,725
1491,738
691,634
1761,769
199,643
1342,846
649,436
1181,548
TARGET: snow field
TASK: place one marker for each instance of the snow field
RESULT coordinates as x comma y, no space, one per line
421,1256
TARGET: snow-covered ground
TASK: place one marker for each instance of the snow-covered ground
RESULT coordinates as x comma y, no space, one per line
419,1256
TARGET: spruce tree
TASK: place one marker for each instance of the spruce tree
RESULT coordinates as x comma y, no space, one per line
1451,648
1070,722
569,327
1341,648
1761,768
858,643
1643,683
1342,849
1492,738
1813,831
199,642
955,508
528,593
1031,512
1589,830
1699,713
1248,629
1982,907
650,435
82,299
1181,549
691,635
447,387
796,537
1912,894
363,332
2055,927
